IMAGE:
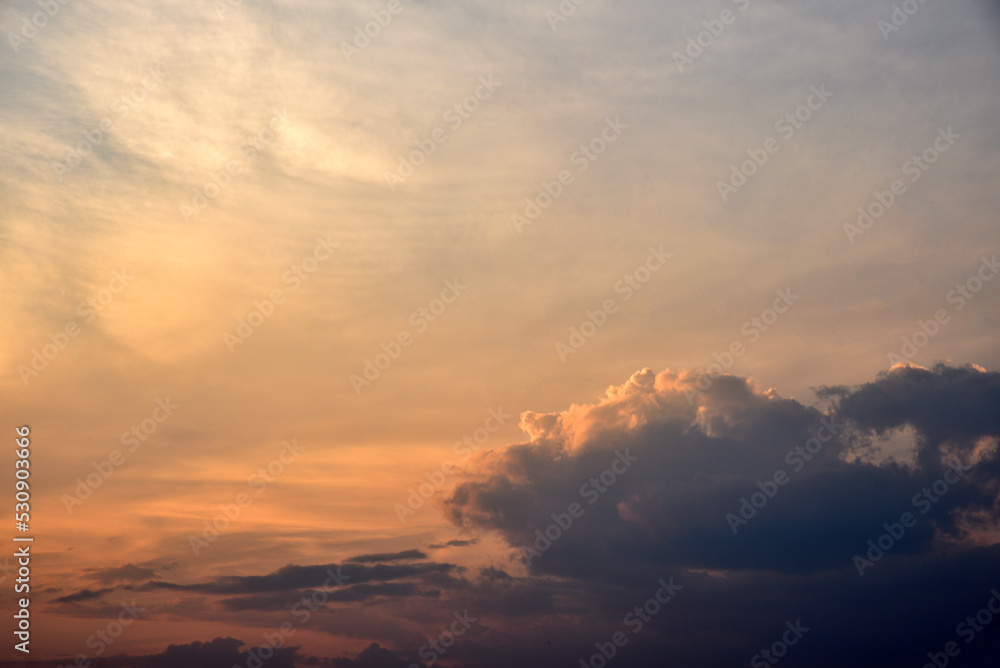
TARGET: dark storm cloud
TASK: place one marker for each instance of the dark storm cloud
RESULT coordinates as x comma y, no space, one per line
947,406
695,462
889,619
795,555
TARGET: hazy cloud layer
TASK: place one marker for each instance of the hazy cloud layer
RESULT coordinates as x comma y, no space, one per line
256,113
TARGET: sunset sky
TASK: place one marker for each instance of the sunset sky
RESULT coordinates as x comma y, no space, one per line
293,266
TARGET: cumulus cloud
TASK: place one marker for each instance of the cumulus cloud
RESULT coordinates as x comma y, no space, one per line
700,453
704,462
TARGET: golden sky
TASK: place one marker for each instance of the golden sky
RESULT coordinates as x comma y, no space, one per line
242,235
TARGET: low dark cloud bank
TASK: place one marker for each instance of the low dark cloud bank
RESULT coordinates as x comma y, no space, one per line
703,526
